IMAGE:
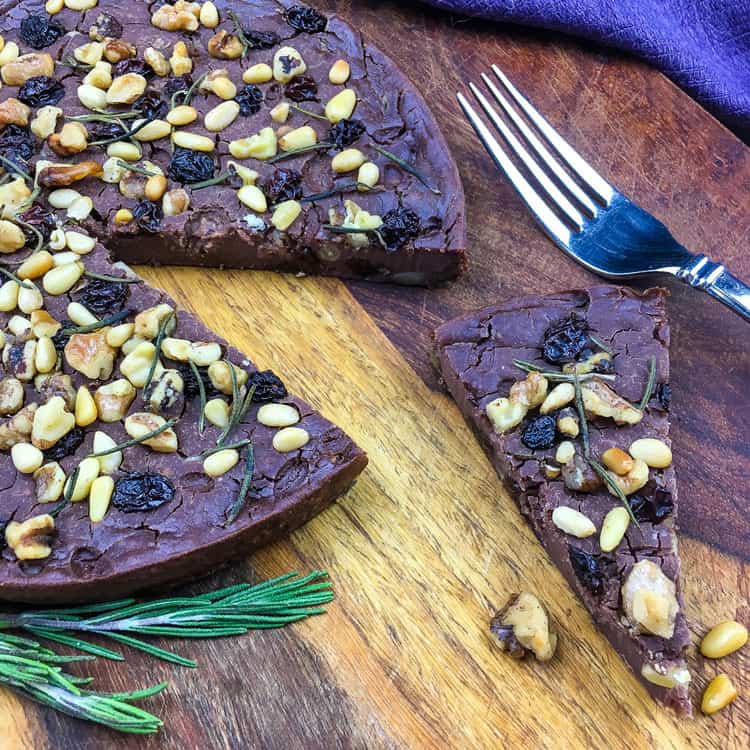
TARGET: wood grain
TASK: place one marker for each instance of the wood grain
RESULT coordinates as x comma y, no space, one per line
428,543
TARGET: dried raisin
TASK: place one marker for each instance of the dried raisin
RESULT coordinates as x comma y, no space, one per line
283,185
16,144
268,386
140,490
67,445
40,31
39,91
302,89
565,339
104,297
592,570
260,39
302,18
345,133
41,219
106,26
191,166
132,65
250,99
539,433
399,226
148,215
652,503
151,106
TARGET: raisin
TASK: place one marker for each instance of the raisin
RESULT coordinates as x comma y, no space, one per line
268,386
565,339
148,216
539,433
177,83
260,39
132,65
283,185
663,395
302,18
40,31
592,570
104,297
16,144
190,384
40,91
302,89
652,503
105,131
106,26
41,219
345,132
61,338
250,99
399,226
151,106
190,166
67,445
140,490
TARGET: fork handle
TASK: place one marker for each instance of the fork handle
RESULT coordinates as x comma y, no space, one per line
702,273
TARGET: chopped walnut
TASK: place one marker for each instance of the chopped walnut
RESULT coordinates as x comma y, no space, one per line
225,46
11,395
600,400
18,428
72,139
523,625
14,112
169,18
530,392
141,423
52,421
18,71
579,476
18,359
649,600
49,482
57,384
90,354
116,50
113,400
30,540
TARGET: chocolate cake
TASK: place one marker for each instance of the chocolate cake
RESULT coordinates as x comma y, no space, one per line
245,134
569,394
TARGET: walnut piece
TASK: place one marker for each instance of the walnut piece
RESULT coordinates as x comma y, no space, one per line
90,354
18,428
30,540
599,400
649,600
523,625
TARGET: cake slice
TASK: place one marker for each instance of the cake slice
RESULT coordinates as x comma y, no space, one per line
92,362
553,386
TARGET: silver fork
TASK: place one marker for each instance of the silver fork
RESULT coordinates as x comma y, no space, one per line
589,219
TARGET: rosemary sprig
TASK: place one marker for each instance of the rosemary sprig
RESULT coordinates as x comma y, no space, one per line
649,384
157,349
73,64
335,229
202,395
136,441
240,33
39,237
70,488
307,112
123,136
223,177
12,277
410,168
187,94
559,377
609,480
240,407
345,188
247,479
136,168
108,321
600,344
105,116
13,168
236,446
113,279
584,425
297,151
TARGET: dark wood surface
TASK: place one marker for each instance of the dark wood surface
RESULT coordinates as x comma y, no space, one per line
418,558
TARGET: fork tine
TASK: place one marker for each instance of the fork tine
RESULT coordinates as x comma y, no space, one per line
579,165
543,152
542,212
573,214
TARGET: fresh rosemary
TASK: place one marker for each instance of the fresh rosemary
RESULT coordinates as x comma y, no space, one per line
13,168
236,446
240,408
307,112
240,33
297,151
202,395
335,229
223,177
598,342
136,168
559,377
345,188
410,168
649,384
73,64
187,94
136,441
70,488
108,321
123,136
113,279
105,116
584,425
12,277
609,480
157,349
247,479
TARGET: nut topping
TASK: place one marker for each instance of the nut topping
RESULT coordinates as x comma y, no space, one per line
649,600
523,625
141,423
113,400
90,354
20,70
18,428
51,422
30,540
49,482
600,400
11,396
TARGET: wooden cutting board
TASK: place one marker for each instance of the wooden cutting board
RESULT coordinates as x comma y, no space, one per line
428,543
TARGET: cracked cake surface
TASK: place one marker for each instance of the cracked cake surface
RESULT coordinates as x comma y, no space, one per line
616,341
231,94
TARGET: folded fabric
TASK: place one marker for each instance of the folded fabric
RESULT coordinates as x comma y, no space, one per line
702,45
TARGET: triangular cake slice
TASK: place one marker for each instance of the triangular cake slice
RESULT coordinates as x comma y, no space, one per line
287,141
616,341
78,349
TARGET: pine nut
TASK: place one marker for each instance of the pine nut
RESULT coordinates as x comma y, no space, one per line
561,395
668,680
19,326
348,160
220,462
12,237
26,458
224,88
175,202
118,335
80,208
614,526
278,415
135,366
572,522
123,216
9,296
204,353
368,175
565,452
290,439
286,214
45,357
262,145
79,243
100,496
615,459
153,131
43,324
156,186
9,53
110,463
126,89
504,414
298,138
280,113
209,15
287,64
724,639
85,410
259,73
29,298
62,279
656,453
63,198
193,141
182,115
719,693
57,238
35,265
125,151
100,76
92,97
252,196
339,72
88,471
50,481
217,412
80,315
180,61
54,6
80,4
221,116
341,106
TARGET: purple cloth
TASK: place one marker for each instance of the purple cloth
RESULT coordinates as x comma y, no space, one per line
702,45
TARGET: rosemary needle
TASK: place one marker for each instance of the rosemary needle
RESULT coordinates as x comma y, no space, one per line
649,384
584,425
157,349
202,395
410,168
136,441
